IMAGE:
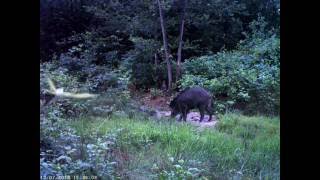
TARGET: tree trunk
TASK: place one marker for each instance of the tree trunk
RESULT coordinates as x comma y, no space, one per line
165,46
156,61
183,4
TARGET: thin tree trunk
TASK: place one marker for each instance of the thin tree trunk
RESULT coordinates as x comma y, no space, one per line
182,15
165,45
156,61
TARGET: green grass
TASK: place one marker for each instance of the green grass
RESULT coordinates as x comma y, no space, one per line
239,146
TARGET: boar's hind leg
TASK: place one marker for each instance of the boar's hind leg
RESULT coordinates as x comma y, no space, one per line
210,112
180,112
185,113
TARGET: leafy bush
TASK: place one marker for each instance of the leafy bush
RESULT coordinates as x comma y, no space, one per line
105,48
59,75
140,62
58,107
75,152
110,85
101,82
99,46
247,78
178,169
155,92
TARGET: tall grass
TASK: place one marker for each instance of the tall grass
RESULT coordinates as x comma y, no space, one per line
239,146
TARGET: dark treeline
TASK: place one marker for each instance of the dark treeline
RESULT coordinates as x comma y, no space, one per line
209,25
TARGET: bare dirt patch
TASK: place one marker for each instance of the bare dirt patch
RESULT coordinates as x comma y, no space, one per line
161,106
192,118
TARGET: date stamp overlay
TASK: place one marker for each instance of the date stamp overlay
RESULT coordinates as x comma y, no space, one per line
68,177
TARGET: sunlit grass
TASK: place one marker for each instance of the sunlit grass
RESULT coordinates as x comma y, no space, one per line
249,145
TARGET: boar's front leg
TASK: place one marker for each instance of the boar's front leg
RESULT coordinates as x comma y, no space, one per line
180,111
201,109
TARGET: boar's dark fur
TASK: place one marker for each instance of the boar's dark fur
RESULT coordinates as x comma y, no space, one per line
190,98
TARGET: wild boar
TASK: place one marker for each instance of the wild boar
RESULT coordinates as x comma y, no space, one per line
190,98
